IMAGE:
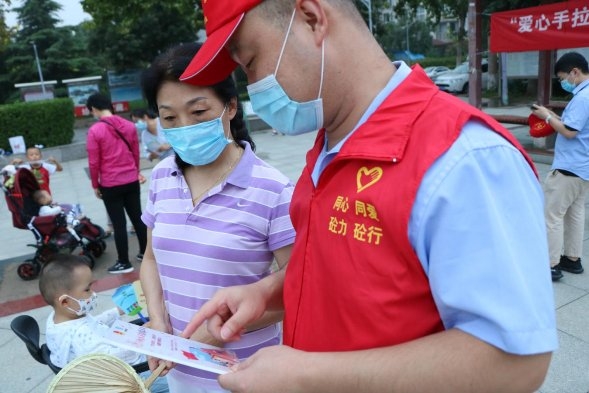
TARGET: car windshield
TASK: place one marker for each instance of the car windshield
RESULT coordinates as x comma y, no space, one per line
461,69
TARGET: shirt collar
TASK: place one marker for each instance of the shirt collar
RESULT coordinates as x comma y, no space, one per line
402,72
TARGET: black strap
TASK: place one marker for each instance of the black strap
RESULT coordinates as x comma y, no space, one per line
119,133
567,173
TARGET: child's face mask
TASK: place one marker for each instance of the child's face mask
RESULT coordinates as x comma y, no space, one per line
85,305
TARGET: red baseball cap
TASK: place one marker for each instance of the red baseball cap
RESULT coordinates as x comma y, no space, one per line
538,127
213,62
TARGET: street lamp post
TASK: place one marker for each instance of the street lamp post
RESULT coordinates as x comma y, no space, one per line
39,68
407,35
368,4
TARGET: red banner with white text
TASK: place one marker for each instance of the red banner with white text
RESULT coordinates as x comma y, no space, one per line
547,27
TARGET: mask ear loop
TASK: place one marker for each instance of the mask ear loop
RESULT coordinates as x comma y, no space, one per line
284,42
230,137
322,68
68,307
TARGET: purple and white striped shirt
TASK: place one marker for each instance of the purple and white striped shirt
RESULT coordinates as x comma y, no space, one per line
227,239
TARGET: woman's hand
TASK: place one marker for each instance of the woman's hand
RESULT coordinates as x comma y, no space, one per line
154,362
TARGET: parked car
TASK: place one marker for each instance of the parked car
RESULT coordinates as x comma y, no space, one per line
435,71
456,80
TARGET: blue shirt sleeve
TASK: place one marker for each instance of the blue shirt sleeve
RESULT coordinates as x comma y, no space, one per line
478,228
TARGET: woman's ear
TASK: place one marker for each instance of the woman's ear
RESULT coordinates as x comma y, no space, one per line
232,108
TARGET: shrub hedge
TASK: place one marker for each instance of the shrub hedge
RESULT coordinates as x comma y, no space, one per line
48,123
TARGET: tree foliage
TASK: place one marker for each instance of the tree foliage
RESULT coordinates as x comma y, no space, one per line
130,34
4,30
62,51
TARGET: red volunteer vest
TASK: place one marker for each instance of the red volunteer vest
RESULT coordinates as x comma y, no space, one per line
354,281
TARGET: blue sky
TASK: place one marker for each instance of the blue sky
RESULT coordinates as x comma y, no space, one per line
70,14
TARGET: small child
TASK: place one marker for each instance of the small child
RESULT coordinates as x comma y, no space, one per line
66,285
41,169
45,201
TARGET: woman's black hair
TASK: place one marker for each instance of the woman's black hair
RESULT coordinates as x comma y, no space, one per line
169,66
100,102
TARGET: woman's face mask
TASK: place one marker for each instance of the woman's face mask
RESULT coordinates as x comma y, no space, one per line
200,143
84,305
275,107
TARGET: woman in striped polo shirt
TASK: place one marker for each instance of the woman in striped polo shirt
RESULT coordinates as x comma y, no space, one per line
217,215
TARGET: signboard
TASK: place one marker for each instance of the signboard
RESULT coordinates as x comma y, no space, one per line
79,93
547,27
79,89
525,64
125,86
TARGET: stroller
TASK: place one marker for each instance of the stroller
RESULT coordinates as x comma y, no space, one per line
53,234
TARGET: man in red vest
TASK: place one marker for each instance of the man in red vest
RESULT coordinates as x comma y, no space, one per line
420,262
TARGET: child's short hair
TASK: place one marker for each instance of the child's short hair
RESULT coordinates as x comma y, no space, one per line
34,148
57,275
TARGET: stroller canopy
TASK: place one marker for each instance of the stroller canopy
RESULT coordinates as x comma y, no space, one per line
19,198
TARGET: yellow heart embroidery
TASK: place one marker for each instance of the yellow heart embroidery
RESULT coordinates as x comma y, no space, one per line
367,177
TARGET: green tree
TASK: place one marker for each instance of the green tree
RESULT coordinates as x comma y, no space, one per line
62,51
130,34
4,30
436,9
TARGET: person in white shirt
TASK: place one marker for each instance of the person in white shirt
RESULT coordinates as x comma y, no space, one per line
66,285
152,139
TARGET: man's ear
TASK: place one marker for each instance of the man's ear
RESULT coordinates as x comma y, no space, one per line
314,14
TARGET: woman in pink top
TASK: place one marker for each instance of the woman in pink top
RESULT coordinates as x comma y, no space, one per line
113,158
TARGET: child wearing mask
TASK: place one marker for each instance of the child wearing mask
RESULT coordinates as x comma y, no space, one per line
66,285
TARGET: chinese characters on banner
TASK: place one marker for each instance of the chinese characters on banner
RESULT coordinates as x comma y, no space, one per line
547,27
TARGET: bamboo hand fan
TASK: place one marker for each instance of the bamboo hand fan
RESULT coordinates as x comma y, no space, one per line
101,373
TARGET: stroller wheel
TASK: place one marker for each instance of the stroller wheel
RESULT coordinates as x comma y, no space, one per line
28,270
88,255
96,248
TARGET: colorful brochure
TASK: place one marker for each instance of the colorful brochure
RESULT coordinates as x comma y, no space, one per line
169,347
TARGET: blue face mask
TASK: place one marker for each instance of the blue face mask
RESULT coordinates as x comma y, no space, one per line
272,104
567,86
200,143
141,125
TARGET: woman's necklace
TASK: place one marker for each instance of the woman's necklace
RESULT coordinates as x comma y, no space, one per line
220,178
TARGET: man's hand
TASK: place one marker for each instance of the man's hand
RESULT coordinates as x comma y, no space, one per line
98,193
542,112
228,312
277,366
141,179
202,335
